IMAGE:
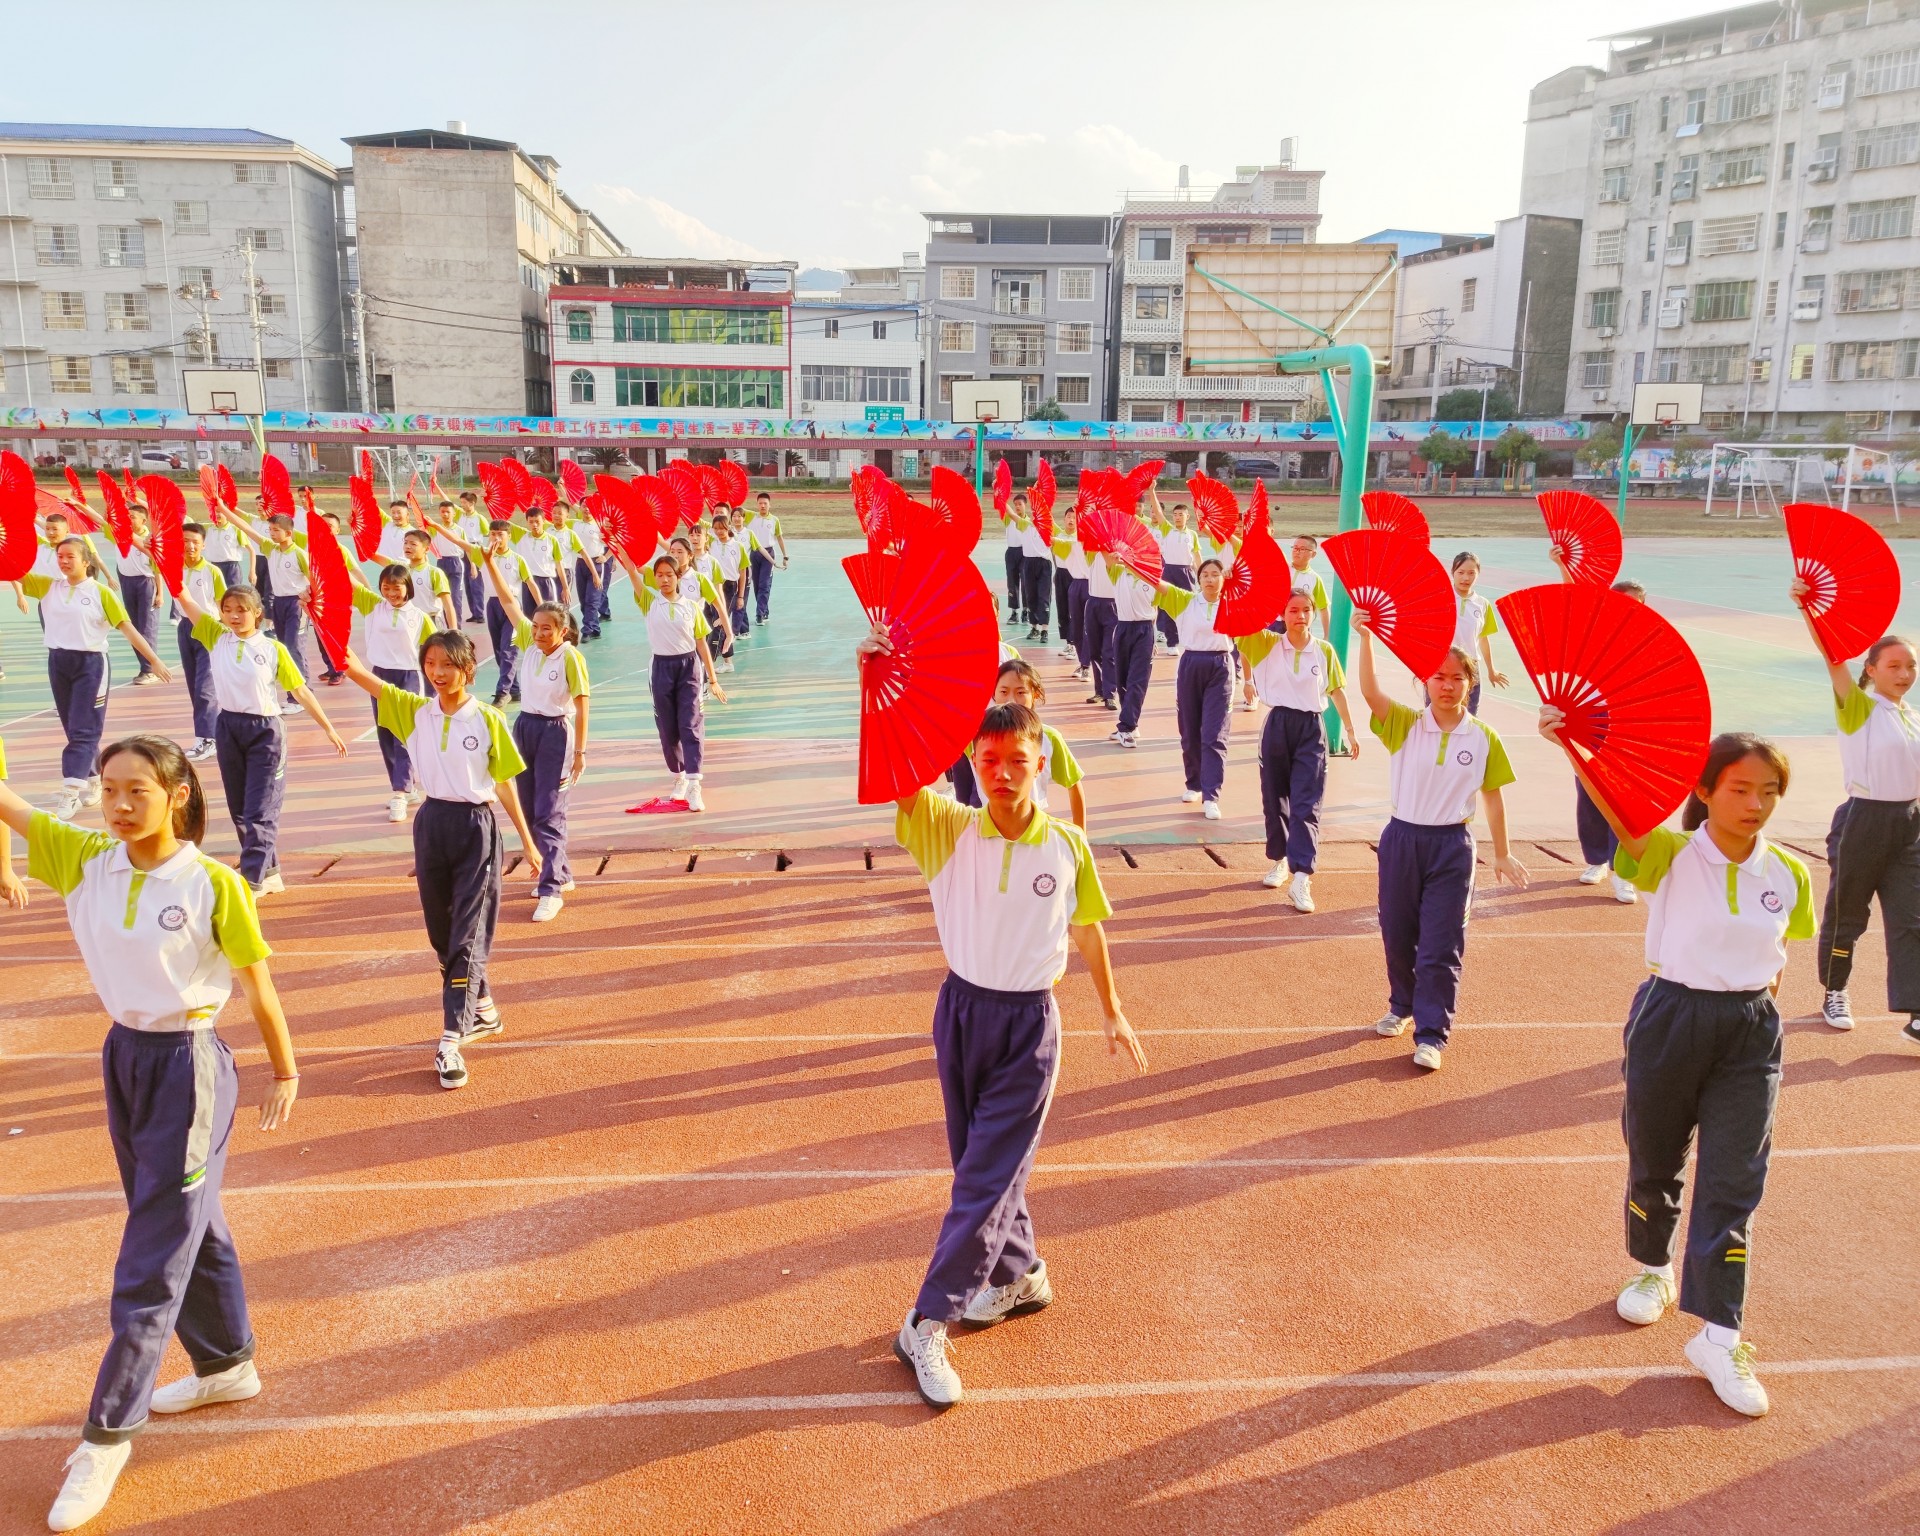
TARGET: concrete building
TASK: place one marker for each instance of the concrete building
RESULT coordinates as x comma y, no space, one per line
857,352
456,238
1750,196
126,254
1020,296
1554,163
1263,204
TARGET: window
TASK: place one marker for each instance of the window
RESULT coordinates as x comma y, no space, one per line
190,219
1786,161
1737,167
580,387
1886,218
1724,237
1896,144
1800,363
1151,362
1833,86
1666,113
1153,245
956,336
1603,308
1074,389
885,386
276,304
1659,177
1286,411
56,245
1223,234
723,327
825,381
830,331
1780,230
1848,361
1017,346
1646,306
1666,366
957,282
203,346
63,311
1883,72
1152,303
253,173
1796,89
1686,179
116,179
260,239
1469,292
946,385
1773,300
1680,243
1286,234
1722,301
123,245
879,330
197,282
1760,367
1138,411
1696,112
277,367
1735,101
1616,184
1653,244
1818,230
1077,338
50,178
71,375
727,389
1017,293
1076,285
1810,298
128,312
580,328
1620,121
1596,370
1609,248
1032,386
1858,293
1714,365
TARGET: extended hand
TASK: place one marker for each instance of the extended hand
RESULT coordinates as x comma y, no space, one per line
1506,867
1119,1032
276,1109
1552,718
13,890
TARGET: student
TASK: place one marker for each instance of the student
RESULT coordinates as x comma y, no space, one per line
1873,844
1096,633
677,635
1703,1044
1016,588
1036,569
392,548
1474,626
1018,683
1203,686
1070,585
205,584
472,524
1306,579
498,547
461,750
251,673
1011,886
551,733
432,592
763,537
539,547
1597,842
730,557
163,931
393,630
1439,758
139,592
451,560
225,545
291,575
589,570
704,566
78,615
1177,562
1133,608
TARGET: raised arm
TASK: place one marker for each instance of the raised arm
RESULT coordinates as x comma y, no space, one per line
509,604
1837,674
359,676
1377,701
1550,722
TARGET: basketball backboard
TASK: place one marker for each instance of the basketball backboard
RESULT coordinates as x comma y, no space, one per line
1666,405
223,392
987,400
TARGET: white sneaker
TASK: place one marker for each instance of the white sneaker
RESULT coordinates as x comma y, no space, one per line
1300,893
1114,735
725,665
1730,1372
66,805
1276,877
1211,810
679,788
1427,1057
1128,740
1624,892
200,751
568,888
1837,1010
1645,1298
923,1344
272,884
996,1303
1390,1024
450,1065
547,908
416,795
91,794
92,1472
234,1385
396,808
695,801
1065,650
1593,874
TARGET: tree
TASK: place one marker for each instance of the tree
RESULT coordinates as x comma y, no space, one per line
1047,410
1444,453
1687,449
1464,405
1601,449
1514,447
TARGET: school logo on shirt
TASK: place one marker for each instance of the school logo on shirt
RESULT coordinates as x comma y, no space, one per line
1772,902
173,919
259,658
1464,759
471,743
1043,885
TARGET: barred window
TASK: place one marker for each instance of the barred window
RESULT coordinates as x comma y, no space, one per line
63,311
50,178
116,178
277,367
190,218
134,376
260,239
1860,292
71,375
1017,346
1076,338
1722,301
1609,247
1723,237
1715,365
1076,284
254,173
956,336
197,281
123,245
128,312
1074,389
56,245
1896,144
1886,218
1737,100
1737,167
958,282
1896,71
1848,361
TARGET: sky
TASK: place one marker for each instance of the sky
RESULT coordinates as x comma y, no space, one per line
821,132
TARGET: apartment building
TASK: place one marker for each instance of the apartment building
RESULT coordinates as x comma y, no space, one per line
1020,296
1263,204
1749,218
857,351
126,256
456,238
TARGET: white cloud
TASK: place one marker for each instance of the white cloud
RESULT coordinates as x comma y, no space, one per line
1110,144
1031,173
655,228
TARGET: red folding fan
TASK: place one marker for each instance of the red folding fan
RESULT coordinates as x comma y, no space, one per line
1256,589
19,540
1638,715
866,487
118,517
1003,487
1853,574
1215,507
79,519
1401,590
276,488
1585,533
366,466
542,493
630,514
166,511
921,703
1257,509
573,480
496,490
1137,479
652,498
518,480
733,481
1044,493
228,491
1391,510
1042,523
873,574
957,507
713,485
683,481
210,489
16,476
329,600
1097,492
73,482
363,517
1109,531
126,474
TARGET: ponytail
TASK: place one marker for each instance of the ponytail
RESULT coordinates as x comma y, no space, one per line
170,770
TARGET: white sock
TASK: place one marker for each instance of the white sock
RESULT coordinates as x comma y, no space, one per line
1664,1271
1725,1338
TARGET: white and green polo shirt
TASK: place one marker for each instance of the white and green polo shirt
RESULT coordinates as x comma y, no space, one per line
1434,773
1879,746
549,680
393,633
250,676
1715,925
80,615
459,756
1290,677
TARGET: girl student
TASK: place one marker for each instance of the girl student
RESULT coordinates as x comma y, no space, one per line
497,546
432,593
461,750
763,537
1016,590
1018,683
139,592
1296,676
705,567
730,559
1094,638
1177,562
1703,1044
1132,647
551,733
1475,624
204,583
677,634
452,560
251,672
1203,685
393,629
1070,572
1873,844
1439,758
78,615
164,932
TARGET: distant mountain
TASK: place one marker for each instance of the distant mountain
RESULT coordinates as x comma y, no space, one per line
820,280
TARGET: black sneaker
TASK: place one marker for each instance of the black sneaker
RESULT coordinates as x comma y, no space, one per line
499,701
448,1065
1912,1031
1094,698
486,1024
1109,704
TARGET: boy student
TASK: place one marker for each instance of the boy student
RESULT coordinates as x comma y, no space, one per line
1010,886
498,547
763,536
393,534
1306,579
138,591
540,547
432,594
730,559
201,579
471,523
452,561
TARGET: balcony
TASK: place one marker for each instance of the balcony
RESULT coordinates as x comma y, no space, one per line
1017,304
1157,273
1246,386
1132,329
1141,386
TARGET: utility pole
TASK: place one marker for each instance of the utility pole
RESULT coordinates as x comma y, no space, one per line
256,325
1438,324
1480,440
360,346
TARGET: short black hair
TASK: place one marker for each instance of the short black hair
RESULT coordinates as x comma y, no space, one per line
1014,720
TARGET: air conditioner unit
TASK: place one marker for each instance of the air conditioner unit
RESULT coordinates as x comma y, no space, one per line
1823,170
1615,134
1599,397
1606,333
1806,309
1833,93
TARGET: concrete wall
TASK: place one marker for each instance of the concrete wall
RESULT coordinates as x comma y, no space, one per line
1553,167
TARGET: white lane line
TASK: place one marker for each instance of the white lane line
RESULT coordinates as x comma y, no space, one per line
900,1175
243,1422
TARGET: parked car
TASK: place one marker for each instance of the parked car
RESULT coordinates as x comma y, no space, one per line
159,458
1250,468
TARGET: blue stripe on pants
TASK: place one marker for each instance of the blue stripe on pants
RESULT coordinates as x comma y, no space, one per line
288,620
252,753
1133,668
1293,777
136,596
505,653
170,1103
676,712
997,1054
1203,702
80,680
1426,883
546,746
393,751
1096,642
458,857
196,666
